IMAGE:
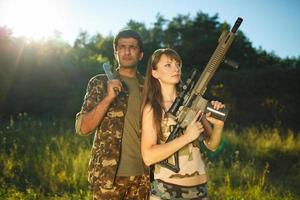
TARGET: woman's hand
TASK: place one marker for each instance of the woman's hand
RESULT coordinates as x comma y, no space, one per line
194,129
216,122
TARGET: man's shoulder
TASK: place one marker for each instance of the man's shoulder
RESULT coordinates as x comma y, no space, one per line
97,83
98,79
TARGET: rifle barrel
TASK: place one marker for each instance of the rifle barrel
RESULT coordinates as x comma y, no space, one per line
237,24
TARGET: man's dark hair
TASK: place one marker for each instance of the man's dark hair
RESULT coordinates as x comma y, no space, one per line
127,33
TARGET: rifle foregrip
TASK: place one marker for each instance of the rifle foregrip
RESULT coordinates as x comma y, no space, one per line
220,114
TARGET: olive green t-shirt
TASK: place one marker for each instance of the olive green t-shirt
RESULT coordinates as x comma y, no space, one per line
131,163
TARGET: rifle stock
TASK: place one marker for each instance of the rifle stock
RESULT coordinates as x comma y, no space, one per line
190,100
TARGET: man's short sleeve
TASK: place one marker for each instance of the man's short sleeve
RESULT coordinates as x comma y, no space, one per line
95,92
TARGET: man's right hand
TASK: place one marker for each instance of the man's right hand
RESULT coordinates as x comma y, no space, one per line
114,87
92,119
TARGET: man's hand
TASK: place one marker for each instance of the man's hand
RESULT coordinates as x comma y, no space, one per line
114,86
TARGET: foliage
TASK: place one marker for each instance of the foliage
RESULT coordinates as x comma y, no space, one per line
48,78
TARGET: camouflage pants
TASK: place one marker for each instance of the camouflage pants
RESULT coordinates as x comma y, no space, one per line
162,190
131,187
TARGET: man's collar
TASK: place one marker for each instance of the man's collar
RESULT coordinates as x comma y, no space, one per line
138,75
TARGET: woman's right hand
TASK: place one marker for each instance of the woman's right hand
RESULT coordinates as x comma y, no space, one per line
194,129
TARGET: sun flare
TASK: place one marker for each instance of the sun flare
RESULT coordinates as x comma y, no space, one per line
34,19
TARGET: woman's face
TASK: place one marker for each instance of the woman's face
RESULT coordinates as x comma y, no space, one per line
168,70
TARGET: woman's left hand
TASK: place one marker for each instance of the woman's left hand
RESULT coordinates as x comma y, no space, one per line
216,122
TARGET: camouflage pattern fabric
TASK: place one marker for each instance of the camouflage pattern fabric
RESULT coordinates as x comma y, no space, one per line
133,188
163,190
106,148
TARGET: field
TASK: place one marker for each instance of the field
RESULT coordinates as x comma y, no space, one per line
47,160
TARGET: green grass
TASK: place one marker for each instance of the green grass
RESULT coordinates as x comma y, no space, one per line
256,164
47,160
43,161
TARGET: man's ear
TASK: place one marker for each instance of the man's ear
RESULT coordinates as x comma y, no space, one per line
141,56
116,55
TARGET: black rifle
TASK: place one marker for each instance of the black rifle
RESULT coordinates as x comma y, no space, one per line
190,100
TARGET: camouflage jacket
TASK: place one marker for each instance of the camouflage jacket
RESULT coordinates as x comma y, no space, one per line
105,157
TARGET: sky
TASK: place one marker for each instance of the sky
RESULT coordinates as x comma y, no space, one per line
273,25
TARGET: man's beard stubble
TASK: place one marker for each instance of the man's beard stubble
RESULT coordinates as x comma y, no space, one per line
131,65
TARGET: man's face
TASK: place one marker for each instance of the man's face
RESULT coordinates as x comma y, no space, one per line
128,53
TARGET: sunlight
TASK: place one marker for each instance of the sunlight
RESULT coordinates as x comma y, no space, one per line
35,19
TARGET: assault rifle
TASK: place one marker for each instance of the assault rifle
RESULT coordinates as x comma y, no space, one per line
190,100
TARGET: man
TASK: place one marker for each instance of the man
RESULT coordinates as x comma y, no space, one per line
112,109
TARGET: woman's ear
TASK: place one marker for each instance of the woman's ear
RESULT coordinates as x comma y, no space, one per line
154,73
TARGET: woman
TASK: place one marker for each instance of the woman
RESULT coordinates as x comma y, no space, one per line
160,90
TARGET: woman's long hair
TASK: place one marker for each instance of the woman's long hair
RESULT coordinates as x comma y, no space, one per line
152,89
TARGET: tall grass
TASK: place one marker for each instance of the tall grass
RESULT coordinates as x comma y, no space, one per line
262,164
43,160
47,160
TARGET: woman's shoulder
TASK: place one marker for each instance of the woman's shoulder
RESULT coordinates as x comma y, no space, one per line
147,107
147,111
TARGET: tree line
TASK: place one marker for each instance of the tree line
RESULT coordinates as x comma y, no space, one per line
47,78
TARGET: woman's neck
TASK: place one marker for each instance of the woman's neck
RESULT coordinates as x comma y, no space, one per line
169,93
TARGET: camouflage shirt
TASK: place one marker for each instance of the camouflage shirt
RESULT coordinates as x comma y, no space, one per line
106,148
